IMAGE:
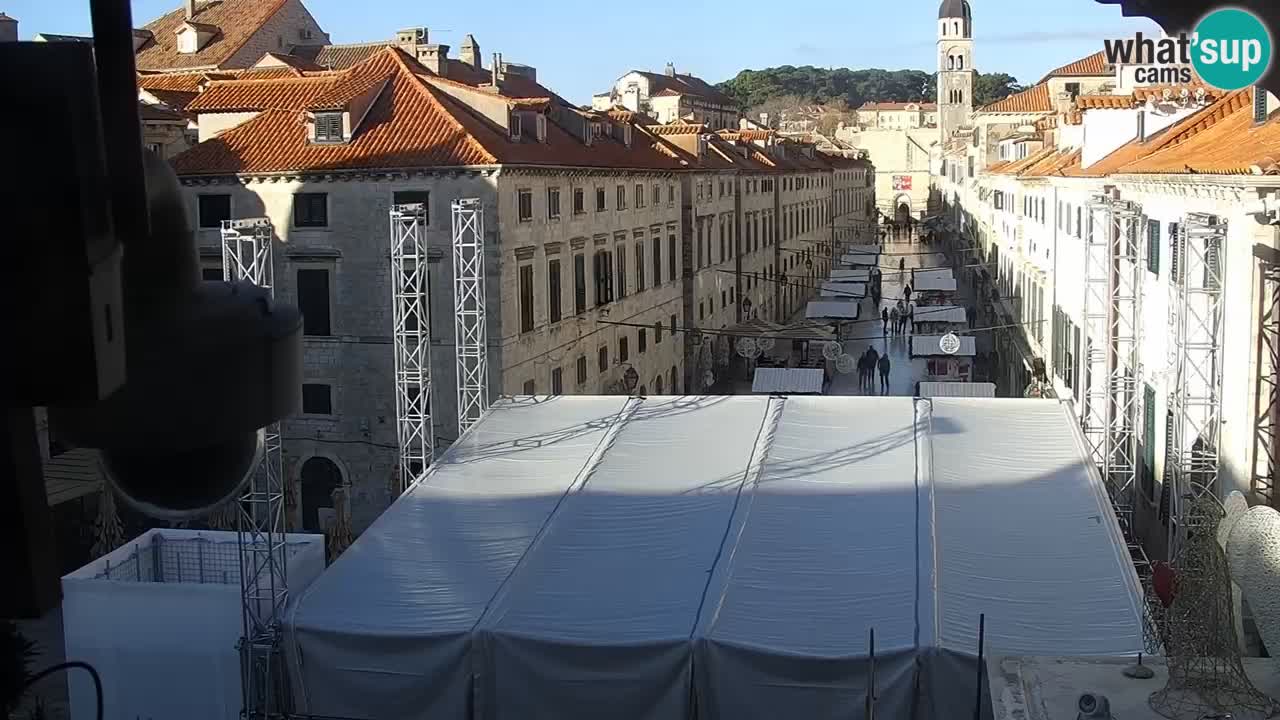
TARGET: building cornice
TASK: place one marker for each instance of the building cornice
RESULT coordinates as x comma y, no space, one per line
339,175
1231,188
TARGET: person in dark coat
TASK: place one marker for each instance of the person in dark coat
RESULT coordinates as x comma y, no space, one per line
902,264
884,374
971,314
862,372
906,293
884,316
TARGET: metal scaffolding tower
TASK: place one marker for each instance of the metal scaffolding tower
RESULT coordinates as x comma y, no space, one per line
1267,385
1196,316
247,257
1113,325
470,331
411,328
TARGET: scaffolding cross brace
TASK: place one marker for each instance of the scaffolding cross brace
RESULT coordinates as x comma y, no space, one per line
247,257
411,330
470,329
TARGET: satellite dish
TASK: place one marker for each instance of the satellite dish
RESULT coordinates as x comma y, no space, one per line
949,344
845,363
708,379
748,348
831,350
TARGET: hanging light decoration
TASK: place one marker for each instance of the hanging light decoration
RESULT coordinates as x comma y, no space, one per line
748,348
845,363
831,350
765,344
708,379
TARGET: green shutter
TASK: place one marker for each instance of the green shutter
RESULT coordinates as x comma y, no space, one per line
1153,246
1149,441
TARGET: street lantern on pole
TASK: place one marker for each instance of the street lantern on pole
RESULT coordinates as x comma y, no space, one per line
746,306
808,264
630,379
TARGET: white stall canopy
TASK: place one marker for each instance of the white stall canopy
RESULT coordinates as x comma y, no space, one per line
724,557
856,275
844,289
930,346
957,389
940,314
787,381
831,309
864,259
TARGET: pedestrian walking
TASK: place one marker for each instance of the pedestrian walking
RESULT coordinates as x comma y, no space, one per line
911,318
902,316
862,372
906,293
971,314
884,374
884,317
902,264
895,319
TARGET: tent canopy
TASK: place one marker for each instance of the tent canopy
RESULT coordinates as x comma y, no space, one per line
637,558
800,381
940,314
833,309
930,346
855,275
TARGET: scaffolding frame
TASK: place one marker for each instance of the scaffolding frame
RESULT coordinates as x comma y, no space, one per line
411,335
247,257
1113,324
1191,466
1266,384
470,325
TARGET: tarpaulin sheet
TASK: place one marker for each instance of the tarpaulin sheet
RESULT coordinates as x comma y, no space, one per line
386,632
721,557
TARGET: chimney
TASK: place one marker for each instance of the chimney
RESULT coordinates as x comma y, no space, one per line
191,8
471,52
8,28
1260,105
434,58
496,70
671,70
1142,125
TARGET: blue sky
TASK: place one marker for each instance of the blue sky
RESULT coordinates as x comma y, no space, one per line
580,47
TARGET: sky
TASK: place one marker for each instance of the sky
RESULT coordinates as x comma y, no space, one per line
580,48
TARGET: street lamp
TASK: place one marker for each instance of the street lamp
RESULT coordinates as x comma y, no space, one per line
808,264
746,306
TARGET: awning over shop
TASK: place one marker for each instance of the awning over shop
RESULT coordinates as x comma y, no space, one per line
854,275
957,389
844,289
834,309
792,331
940,313
928,346
787,381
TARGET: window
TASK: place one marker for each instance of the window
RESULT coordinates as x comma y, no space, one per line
557,381
602,267
621,259
524,203
317,399
526,298
657,195
639,267
579,201
639,195
1153,246
313,301
329,127
622,349
702,312
673,269
642,341
599,199
657,260
530,387
657,332
671,194
622,197
582,369
672,323
602,359
1073,89
1148,471
722,255
579,284
213,210
553,203
311,210
553,290
414,197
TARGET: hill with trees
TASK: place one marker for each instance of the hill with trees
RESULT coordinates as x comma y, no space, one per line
841,86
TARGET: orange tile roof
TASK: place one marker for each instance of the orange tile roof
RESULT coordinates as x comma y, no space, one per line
184,82
249,95
293,61
869,105
1220,140
1175,134
1016,167
337,57
1093,65
1052,164
1104,102
1034,99
677,129
236,21
176,99
410,124
1157,92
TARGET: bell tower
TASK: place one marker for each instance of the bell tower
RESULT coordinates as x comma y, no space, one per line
955,66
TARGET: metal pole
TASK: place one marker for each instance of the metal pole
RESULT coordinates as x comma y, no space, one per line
982,632
871,684
411,329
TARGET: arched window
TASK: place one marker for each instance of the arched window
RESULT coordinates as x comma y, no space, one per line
959,97
320,477
959,62
951,62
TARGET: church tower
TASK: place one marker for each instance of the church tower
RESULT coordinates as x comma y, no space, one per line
955,66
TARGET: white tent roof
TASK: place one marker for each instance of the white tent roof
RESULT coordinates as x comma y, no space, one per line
957,389
860,259
933,283
871,249
834,309
940,273
855,275
941,313
844,289
787,380
584,555
928,346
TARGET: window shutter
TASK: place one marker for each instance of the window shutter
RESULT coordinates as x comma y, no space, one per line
1153,246
1175,254
1213,263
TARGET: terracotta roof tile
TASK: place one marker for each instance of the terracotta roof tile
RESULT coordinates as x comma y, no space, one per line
1015,167
337,57
176,99
249,95
677,129
156,113
1220,140
185,82
685,85
1104,102
1052,164
1093,65
1034,99
924,106
293,61
235,21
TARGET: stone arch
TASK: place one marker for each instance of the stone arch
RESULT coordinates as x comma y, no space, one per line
901,208
318,477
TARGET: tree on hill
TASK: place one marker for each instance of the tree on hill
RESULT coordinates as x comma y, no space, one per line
822,86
